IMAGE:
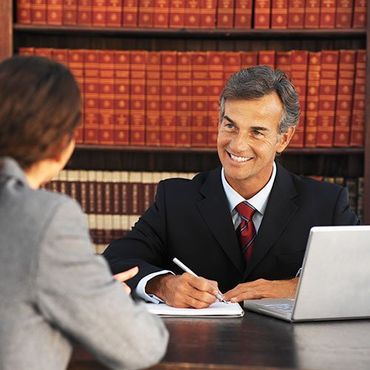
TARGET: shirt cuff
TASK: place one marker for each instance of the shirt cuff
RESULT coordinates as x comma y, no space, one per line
140,288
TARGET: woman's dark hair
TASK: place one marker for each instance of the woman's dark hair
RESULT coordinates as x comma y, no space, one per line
40,107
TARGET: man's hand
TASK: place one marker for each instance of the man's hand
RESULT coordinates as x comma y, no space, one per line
126,275
262,288
183,290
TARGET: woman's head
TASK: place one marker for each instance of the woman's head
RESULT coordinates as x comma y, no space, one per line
40,107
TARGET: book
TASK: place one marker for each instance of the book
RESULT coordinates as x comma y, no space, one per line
217,309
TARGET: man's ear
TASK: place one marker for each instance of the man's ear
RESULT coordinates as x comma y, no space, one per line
284,139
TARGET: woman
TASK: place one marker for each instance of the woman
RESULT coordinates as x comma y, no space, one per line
54,290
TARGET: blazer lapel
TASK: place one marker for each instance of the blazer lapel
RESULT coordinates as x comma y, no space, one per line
216,214
280,209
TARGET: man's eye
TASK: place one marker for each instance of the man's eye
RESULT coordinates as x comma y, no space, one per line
257,133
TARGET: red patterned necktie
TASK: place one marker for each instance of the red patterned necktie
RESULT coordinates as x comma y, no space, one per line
247,232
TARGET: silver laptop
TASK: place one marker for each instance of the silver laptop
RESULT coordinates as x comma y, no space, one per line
335,280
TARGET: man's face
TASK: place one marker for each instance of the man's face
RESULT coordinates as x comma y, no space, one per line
248,139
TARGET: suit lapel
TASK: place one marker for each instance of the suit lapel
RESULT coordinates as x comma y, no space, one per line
280,209
215,211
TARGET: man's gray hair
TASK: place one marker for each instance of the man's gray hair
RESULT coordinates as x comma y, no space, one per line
256,82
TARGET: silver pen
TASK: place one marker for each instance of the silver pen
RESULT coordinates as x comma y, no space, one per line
219,295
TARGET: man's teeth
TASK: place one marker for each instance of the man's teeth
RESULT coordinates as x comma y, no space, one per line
239,159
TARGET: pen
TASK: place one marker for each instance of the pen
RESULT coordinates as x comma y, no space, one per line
219,295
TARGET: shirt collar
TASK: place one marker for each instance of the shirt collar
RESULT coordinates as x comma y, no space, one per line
258,201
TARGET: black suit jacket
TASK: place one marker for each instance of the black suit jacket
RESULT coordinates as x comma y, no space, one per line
190,220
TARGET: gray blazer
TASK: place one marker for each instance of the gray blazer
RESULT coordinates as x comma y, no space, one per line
55,291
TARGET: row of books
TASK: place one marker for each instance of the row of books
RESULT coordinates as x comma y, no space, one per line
114,200
239,14
170,98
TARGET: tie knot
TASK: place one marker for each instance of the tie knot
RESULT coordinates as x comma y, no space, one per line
245,210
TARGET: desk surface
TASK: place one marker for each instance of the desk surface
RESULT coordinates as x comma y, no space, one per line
256,342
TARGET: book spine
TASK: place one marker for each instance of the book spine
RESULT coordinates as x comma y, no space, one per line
177,14
168,98
161,13
153,84
183,100
137,97
191,14
327,94
54,12
313,77
279,14
243,14
283,62
121,106
130,13
346,74
60,55
24,12
225,14
343,18
299,78
200,80
327,13
106,97
99,13
232,63
84,12
296,13
146,13
248,59
359,14
208,13
267,58
82,178
69,12
38,11
262,12
358,111
114,13
312,14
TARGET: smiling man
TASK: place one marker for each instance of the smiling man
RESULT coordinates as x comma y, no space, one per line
242,227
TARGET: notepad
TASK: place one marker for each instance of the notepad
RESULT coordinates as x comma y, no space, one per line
217,309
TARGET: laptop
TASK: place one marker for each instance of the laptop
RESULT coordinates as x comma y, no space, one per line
335,279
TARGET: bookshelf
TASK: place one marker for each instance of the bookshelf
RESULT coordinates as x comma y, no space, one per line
351,162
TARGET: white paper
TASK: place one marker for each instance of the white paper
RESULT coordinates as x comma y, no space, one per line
217,309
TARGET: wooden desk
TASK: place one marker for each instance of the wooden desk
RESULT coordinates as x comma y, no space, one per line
258,342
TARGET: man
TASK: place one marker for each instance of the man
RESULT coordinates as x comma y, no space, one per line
200,222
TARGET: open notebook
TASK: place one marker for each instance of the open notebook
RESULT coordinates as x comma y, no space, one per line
217,309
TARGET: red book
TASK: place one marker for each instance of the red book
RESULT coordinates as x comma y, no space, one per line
296,13
359,14
106,97
312,14
327,13
208,13
279,14
91,101
215,62
146,13
48,53
262,12
225,14
327,96
346,77
299,59
99,13
200,80
137,97
121,66
183,100
243,14
248,59
344,14
130,12
153,91
232,63
70,12
267,58
283,61
38,11
161,14
191,14
114,13
313,77
84,12
60,55
26,51
358,111
168,98
24,11
76,65
177,14
54,12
